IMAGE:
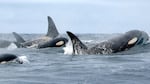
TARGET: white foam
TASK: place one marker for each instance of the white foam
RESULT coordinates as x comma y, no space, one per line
88,41
33,46
12,46
68,49
23,59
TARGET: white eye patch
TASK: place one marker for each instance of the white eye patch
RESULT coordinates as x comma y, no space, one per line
60,43
132,41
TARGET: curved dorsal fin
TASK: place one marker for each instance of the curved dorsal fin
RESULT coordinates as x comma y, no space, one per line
19,39
78,46
52,30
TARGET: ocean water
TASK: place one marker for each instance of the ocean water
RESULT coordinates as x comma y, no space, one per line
51,66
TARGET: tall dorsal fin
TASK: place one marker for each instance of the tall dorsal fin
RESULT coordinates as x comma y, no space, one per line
19,39
78,46
52,30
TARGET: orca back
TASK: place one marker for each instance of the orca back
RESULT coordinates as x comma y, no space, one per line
7,57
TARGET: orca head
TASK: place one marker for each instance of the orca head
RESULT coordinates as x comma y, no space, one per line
133,38
57,42
78,47
137,37
144,38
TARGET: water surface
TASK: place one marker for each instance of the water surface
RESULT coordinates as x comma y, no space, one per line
51,66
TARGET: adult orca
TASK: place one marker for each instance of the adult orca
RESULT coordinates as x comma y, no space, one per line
7,58
114,45
51,39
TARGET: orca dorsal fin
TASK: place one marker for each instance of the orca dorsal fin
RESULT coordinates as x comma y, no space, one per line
78,47
52,30
19,39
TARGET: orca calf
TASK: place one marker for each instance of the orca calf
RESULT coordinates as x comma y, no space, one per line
114,45
5,58
51,39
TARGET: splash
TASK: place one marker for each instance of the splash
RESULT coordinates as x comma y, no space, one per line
12,46
68,49
23,59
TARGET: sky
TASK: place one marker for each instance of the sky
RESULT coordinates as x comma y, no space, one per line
78,16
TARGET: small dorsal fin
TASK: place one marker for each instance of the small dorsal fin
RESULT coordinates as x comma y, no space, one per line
78,46
52,30
18,38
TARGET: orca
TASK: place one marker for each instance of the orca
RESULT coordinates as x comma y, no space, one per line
117,44
51,39
7,58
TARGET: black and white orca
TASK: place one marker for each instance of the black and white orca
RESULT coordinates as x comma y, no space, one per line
114,45
7,58
51,39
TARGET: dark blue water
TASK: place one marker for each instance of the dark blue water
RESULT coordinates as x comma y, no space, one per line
51,66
